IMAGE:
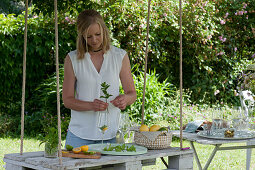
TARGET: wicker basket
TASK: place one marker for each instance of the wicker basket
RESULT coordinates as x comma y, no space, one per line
162,140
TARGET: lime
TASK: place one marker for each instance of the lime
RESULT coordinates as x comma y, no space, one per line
163,129
69,147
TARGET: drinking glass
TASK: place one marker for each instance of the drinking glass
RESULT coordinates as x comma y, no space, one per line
236,113
236,123
207,128
217,122
103,123
125,123
216,125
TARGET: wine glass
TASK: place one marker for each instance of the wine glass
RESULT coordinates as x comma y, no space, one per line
125,123
103,123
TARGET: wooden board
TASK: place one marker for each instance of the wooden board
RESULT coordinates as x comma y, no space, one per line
70,154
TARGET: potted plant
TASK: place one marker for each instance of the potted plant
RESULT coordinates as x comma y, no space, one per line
50,139
51,143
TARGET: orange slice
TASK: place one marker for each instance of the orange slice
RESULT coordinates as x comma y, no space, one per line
77,150
84,148
104,129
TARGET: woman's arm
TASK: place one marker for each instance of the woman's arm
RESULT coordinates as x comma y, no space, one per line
127,82
69,91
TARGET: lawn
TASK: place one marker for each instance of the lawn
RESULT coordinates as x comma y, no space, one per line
226,160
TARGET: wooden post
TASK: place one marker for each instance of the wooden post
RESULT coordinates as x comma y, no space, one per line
145,66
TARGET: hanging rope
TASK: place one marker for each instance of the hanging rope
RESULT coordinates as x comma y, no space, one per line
57,73
146,54
180,23
24,82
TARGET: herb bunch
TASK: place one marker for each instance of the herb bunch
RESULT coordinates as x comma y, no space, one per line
104,87
120,148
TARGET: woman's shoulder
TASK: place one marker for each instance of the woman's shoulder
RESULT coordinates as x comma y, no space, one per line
114,49
72,53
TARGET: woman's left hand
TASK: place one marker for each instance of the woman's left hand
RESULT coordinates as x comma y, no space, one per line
120,102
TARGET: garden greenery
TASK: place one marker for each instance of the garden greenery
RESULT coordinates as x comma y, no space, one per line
218,44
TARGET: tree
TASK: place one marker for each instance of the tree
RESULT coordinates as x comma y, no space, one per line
12,6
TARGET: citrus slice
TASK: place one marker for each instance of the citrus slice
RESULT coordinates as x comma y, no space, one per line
77,150
64,152
90,152
84,148
104,129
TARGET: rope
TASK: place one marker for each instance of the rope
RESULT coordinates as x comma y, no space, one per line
146,54
23,82
57,73
180,23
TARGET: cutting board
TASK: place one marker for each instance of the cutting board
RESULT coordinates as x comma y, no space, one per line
70,154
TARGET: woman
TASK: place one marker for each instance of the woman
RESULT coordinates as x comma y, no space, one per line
93,62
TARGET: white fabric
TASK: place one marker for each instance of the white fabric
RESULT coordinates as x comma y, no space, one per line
247,101
88,87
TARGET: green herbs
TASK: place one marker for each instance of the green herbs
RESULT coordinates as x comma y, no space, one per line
51,139
104,87
103,128
120,148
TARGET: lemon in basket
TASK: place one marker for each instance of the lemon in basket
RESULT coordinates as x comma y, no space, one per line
143,128
154,128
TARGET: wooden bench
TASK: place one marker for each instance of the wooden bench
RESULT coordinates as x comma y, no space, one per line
177,159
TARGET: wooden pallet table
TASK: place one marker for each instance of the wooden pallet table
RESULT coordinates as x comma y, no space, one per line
177,159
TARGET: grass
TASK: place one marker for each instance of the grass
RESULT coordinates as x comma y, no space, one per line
227,160
12,145
223,160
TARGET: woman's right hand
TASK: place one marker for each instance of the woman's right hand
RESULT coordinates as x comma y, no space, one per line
98,105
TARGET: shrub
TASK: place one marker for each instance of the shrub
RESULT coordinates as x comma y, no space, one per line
161,100
229,51
205,56
43,105
40,56
216,46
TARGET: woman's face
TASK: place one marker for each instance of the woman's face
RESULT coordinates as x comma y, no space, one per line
94,37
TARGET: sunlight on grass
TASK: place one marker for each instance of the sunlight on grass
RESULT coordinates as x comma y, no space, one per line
227,160
12,145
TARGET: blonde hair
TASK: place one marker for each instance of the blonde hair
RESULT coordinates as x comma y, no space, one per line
85,19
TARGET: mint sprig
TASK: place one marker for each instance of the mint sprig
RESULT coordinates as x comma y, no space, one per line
120,148
104,87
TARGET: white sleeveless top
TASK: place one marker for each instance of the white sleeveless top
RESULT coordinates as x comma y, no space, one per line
88,87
